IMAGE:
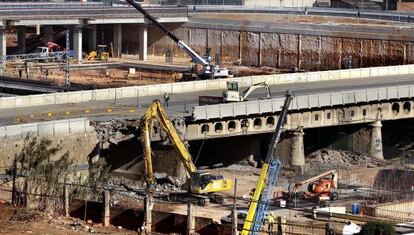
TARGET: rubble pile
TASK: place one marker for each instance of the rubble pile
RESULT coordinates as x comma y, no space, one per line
109,129
341,158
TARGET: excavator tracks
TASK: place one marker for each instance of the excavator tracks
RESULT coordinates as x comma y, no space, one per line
200,200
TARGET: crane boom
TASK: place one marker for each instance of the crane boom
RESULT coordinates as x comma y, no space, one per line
196,57
268,177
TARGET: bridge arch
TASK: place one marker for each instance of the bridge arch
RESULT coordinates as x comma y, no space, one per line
231,126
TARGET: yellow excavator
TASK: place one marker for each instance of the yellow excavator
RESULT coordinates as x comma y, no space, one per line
203,185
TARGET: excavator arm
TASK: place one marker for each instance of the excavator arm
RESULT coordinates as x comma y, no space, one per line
203,184
247,92
157,112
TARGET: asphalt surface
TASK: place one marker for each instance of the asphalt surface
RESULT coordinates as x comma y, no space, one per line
181,104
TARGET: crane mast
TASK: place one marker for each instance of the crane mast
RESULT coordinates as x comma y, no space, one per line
209,70
268,177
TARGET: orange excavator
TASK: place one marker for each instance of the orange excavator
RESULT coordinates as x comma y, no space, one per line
320,188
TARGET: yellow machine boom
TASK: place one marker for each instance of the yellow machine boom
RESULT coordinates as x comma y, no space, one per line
201,182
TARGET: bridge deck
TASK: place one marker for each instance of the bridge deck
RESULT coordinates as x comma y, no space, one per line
182,104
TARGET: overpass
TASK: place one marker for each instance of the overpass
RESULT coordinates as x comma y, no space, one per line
366,95
80,18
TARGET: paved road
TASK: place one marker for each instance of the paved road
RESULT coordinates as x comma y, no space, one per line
181,105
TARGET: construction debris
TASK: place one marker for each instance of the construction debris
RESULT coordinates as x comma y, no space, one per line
341,158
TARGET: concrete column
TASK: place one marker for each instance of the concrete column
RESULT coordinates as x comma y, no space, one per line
299,50
117,40
3,42
92,38
77,43
48,33
143,41
66,200
21,39
190,219
148,213
298,154
106,212
376,140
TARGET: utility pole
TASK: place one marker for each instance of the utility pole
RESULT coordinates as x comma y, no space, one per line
234,212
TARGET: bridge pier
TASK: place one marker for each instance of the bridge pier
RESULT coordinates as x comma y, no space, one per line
48,33
77,43
376,140
92,38
117,40
297,154
3,42
143,41
21,39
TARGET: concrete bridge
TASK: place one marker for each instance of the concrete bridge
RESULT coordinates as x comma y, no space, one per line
321,100
81,19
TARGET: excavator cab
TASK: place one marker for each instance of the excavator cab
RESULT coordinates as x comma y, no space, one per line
232,94
202,182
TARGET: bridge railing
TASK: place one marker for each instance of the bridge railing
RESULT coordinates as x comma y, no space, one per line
197,86
306,102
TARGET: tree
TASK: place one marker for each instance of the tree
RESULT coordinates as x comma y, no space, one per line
377,228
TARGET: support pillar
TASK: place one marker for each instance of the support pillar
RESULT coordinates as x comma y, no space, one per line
48,33
92,35
77,43
66,200
3,48
376,140
148,213
21,39
106,213
190,219
297,150
143,41
117,40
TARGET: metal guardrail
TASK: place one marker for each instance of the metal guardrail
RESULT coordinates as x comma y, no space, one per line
301,102
49,128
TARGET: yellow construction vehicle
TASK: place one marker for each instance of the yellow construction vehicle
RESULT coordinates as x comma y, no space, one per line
203,185
259,203
101,53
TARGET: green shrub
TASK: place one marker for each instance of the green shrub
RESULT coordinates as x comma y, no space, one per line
377,228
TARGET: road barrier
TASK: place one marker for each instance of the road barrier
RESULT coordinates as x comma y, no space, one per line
49,128
205,85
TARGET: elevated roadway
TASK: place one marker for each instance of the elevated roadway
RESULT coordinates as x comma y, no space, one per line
182,104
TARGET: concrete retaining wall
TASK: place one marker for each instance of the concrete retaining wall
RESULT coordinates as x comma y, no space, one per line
50,128
74,136
306,50
205,85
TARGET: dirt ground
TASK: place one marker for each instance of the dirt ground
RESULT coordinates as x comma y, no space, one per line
14,221
118,77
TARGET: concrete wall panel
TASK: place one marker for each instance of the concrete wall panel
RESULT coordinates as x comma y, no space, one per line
231,46
214,42
330,53
250,48
270,49
198,40
289,48
309,55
